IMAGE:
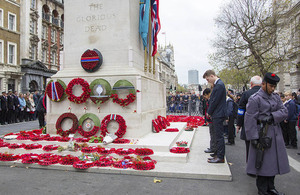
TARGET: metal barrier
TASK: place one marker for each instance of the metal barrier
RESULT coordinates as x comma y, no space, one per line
189,109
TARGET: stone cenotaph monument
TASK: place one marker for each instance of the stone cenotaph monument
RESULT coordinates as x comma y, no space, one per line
110,27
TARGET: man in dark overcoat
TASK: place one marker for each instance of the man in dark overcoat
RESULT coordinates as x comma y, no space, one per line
265,107
217,112
3,108
255,84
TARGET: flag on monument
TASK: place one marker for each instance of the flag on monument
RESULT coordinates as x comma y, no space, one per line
144,20
155,24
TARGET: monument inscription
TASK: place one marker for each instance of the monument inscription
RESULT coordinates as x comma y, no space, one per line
98,20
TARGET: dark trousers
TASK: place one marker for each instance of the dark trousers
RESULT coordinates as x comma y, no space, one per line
213,142
231,129
10,116
265,183
21,115
41,118
289,133
247,149
219,132
3,117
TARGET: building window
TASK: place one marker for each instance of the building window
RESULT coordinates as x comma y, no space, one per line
33,4
12,53
44,55
53,57
33,26
44,32
53,35
33,52
12,21
1,17
1,51
61,41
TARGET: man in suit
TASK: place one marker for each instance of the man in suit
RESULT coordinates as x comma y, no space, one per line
217,112
3,108
255,84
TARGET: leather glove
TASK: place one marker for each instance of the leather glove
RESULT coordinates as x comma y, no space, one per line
254,142
268,120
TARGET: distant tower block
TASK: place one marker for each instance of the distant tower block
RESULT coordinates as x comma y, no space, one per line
193,77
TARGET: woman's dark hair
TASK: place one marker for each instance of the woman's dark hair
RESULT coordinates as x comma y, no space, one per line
206,91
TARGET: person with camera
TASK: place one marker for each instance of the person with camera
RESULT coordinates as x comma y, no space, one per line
267,154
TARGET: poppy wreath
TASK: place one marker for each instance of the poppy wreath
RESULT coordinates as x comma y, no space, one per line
143,151
123,84
104,163
105,151
72,130
56,90
172,130
67,160
83,165
49,148
121,141
179,150
85,88
4,144
32,146
15,146
107,87
48,159
143,165
162,122
95,129
89,149
8,157
123,152
156,126
119,119
122,164
91,60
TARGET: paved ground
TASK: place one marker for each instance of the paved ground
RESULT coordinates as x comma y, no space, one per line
14,181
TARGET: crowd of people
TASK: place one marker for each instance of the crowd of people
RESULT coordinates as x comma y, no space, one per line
267,121
15,108
179,102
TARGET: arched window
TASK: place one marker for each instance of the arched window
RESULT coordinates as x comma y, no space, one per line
55,17
46,13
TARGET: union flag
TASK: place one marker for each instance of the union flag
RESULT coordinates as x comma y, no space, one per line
155,24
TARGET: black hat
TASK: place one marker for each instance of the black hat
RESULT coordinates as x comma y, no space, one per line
271,78
231,90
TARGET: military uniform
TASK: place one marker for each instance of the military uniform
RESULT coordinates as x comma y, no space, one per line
241,113
275,161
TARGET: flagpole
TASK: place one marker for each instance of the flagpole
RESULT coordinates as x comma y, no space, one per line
145,60
154,64
150,38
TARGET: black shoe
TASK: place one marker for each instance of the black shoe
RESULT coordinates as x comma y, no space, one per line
262,193
275,192
229,143
208,150
213,155
298,153
216,160
291,147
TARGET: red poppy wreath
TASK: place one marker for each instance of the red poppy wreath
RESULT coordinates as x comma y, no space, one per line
85,88
74,127
122,125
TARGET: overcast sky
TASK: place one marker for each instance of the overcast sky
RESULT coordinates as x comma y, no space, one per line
189,26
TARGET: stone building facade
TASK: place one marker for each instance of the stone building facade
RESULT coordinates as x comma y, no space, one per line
166,67
10,70
41,27
290,72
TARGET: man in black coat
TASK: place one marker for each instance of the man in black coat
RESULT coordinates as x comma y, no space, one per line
217,112
11,107
3,113
41,110
255,84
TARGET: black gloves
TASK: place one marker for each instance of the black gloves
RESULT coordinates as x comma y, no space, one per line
268,120
254,142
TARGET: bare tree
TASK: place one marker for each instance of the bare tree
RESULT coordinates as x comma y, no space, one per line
248,37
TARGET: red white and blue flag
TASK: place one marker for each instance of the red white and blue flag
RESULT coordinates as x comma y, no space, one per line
155,24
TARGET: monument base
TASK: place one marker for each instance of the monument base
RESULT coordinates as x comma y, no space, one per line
137,115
